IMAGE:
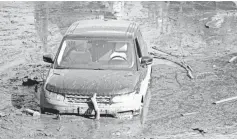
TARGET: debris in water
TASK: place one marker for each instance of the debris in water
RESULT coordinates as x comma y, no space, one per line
2,114
187,114
117,133
206,26
29,82
225,100
216,22
60,128
176,61
32,112
167,53
190,75
233,59
199,130
23,42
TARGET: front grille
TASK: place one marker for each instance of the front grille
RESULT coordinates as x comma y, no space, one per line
85,99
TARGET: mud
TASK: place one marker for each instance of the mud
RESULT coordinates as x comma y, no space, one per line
178,107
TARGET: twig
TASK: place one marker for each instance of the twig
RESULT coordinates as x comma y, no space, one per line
187,114
201,131
176,77
168,53
225,100
181,64
233,59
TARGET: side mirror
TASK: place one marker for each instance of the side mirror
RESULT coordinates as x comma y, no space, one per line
48,58
146,60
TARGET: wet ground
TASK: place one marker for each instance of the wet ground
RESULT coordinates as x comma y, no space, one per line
178,108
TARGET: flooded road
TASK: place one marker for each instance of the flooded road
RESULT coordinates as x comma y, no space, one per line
201,33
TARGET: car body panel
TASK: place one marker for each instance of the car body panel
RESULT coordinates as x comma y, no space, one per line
88,82
83,108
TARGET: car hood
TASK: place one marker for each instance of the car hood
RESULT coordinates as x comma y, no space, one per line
88,82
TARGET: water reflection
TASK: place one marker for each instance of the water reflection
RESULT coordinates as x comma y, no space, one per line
158,14
41,22
163,14
52,18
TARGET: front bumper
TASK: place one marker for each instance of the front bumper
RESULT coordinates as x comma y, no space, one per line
88,108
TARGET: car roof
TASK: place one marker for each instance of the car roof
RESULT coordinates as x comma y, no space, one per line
102,29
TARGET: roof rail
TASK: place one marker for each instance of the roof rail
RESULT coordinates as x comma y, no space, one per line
72,28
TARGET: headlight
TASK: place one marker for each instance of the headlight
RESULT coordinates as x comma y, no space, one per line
55,96
124,98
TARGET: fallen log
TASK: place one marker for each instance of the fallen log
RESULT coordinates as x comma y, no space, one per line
96,108
174,60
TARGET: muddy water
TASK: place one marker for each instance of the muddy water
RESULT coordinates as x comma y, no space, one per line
50,20
30,29
53,19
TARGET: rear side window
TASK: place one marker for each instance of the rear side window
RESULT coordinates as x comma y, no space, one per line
142,44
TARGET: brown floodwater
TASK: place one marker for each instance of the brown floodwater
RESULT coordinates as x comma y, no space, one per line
37,27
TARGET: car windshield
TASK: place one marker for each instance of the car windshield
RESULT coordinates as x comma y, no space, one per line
96,54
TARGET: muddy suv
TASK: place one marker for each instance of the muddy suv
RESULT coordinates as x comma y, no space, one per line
106,58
